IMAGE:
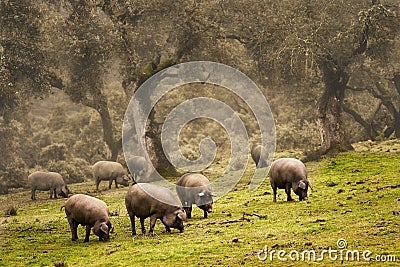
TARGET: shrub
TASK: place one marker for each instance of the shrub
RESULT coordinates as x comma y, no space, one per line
73,171
53,152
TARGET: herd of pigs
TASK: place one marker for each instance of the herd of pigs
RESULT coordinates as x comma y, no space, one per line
145,200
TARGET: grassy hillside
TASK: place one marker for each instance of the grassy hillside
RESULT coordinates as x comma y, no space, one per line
356,196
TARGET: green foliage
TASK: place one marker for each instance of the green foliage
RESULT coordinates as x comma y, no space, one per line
16,156
365,214
23,65
53,152
90,50
151,68
72,171
14,173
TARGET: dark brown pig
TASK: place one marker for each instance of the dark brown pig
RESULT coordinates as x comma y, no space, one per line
110,171
44,181
90,212
194,188
145,200
259,154
289,173
139,167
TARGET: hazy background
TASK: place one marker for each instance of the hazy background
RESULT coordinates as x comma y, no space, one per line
329,71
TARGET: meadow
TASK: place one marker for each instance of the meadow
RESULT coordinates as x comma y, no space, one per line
354,207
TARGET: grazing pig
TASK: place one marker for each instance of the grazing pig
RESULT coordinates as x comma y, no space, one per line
289,173
90,212
194,188
140,202
111,171
259,154
139,167
44,181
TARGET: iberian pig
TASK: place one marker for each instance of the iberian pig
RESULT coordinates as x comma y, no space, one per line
145,200
194,188
44,181
139,167
289,173
260,155
90,212
110,171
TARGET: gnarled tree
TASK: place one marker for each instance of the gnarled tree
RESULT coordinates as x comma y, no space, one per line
89,43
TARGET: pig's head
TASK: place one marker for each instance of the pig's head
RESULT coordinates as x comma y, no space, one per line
63,191
175,219
300,188
123,180
204,201
102,230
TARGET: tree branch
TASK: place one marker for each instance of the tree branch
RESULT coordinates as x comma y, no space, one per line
238,38
357,117
382,95
396,81
356,89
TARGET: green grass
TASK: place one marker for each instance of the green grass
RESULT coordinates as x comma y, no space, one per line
356,196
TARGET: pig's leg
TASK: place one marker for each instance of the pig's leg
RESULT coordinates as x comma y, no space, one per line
153,220
167,229
188,210
274,189
110,183
88,228
97,184
287,190
33,197
142,224
74,229
132,217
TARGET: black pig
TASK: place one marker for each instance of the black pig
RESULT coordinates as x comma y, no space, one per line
145,200
289,173
90,212
194,188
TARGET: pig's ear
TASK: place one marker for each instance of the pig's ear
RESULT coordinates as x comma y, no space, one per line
302,185
104,227
65,191
181,215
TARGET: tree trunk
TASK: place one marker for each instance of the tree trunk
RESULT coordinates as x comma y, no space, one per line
396,80
131,80
155,148
330,108
114,146
153,129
